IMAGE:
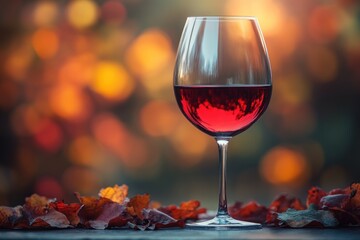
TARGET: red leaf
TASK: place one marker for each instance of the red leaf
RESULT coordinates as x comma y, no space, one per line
252,212
187,210
314,196
69,210
284,202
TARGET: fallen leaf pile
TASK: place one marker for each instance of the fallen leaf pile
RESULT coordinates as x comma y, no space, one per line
114,209
337,208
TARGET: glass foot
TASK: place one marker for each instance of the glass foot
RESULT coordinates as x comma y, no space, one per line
224,222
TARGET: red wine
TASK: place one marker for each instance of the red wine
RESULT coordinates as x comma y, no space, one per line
223,110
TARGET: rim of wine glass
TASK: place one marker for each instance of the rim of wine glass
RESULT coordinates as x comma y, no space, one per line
224,17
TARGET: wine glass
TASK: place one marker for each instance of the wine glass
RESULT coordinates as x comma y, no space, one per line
222,84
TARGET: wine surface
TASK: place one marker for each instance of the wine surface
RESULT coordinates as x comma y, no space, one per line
223,110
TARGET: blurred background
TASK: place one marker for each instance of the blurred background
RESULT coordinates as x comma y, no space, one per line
86,101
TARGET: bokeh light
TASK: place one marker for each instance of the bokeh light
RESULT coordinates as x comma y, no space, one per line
46,13
86,100
45,43
159,118
284,166
112,81
82,13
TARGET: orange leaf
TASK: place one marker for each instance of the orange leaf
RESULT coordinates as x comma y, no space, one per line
116,194
137,204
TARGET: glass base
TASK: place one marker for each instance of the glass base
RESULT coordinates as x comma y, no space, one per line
224,222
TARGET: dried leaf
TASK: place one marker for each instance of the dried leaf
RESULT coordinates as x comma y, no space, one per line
252,212
116,194
187,210
309,217
97,213
284,202
69,210
137,204
10,216
314,196
52,219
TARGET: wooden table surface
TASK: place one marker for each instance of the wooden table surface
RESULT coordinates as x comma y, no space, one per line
265,233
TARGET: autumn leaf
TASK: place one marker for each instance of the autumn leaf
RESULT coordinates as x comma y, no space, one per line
186,211
40,215
252,212
69,210
116,194
137,204
284,202
9,216
314,196
98,212
309,217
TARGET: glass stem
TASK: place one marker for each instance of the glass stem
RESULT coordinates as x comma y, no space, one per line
222,143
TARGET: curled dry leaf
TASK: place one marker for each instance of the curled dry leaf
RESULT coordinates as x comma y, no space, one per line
186,211
252,212
137,204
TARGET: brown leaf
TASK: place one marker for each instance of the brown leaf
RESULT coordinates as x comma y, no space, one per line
97,213
309,217
116,194
9,216
137,204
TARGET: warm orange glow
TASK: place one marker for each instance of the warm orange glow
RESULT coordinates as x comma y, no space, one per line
190,144
130,150
270,13
83,151
45,13
69,102
45,43
82,13
19,60
149,53
322,63
324,23
78,69
48,136
112,81
159,118
284,166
